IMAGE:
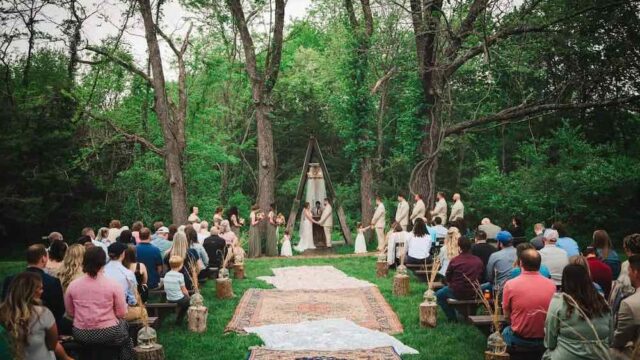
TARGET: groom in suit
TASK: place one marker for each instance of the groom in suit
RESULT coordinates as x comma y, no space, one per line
402,213
326,221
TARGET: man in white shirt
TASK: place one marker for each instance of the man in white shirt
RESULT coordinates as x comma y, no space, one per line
554,258
193,217
490,229
419,210
378,222
402,213
440,210
457,209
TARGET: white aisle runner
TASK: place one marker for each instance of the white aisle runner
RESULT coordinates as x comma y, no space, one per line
312,278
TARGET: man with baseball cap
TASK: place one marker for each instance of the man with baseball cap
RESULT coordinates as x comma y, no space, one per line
554,258
161,239
501,262
123,276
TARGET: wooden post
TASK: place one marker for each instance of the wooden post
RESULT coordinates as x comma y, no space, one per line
153,353
223,288
382,269
428,314
492,356
197,316
401,285
238,271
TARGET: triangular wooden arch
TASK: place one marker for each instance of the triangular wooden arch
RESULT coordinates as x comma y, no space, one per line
314,148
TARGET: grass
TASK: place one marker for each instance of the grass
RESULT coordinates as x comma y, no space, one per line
446,342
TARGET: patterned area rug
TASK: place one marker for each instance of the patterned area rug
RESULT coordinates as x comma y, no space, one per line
364,306
324,277
385,353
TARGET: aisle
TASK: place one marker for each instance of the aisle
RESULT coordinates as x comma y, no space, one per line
318,311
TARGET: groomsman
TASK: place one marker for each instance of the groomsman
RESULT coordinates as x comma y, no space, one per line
326,221
457,209
419,210
440,210
402,213
377,222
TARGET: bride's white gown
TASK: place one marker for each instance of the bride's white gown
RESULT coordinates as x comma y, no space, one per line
306,234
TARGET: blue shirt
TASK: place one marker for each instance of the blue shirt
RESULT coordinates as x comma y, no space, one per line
569,245
150,256
543,271
500,265
123,276
173,282
162,244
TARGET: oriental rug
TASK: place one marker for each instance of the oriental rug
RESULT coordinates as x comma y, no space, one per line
364,306
385,353
324,277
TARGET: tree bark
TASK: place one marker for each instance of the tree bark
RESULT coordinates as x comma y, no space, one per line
366,190
266,158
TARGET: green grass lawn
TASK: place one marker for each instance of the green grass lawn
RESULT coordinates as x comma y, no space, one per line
446,342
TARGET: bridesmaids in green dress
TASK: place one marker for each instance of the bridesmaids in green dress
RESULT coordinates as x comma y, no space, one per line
272,239
254,232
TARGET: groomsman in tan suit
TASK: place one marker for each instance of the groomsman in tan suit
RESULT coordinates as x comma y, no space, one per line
440,210
377,222
457,209
419,210
326,221
402,213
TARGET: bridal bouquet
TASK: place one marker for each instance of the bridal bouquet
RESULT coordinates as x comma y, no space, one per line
259,215
280,220
241,221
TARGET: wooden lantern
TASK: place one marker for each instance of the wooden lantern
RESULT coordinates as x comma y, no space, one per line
488,355
147,348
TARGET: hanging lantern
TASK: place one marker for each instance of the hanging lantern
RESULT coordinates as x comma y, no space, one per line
496,344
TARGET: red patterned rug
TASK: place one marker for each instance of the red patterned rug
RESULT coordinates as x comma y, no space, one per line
364,306
384,353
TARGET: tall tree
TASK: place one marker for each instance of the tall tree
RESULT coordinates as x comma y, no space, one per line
262,84
447,39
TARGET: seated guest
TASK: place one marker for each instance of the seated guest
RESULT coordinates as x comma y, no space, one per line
538,240
449,250
501,262
626,332
125,278
97,305
525,302
564,241
139,270
175,288
157,225
226,233
482,250
215,246
398,236
135,230
30,327
173,229
103,235
418,244
599,272
71,268
126,237
203,231
57,249
463,271
181,248
490,229
161,240
516,228
578,321
554,258
441,231
517,271
51,288
88,231
631,246
114,230
605,251
151,257
54,235
203,258
582,261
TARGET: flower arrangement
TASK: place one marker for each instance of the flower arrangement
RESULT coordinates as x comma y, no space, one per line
241,221
259,215
280,220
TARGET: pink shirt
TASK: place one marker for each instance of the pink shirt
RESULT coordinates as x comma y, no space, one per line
526,298
95,303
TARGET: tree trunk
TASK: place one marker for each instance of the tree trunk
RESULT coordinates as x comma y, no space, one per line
266,158
366,191
30,45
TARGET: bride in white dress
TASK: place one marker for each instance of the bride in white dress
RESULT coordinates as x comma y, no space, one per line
306,230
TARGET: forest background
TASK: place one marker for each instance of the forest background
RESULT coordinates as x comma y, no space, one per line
82,140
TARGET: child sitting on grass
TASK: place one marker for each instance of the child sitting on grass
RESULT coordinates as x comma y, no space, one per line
175,288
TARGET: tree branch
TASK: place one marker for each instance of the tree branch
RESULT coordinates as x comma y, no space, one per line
516,112
128,66
247,42
129,137
273,66
383,79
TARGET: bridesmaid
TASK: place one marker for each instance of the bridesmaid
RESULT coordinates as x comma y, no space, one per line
254,232
217,216
272,237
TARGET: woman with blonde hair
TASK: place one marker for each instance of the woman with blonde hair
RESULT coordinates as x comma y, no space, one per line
71,268
181,248
227,234
114,230
449,250
31,327
103,235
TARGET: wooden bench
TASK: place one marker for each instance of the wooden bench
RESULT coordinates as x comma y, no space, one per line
90,352
485,322
163,295
465,307
160,310
437,285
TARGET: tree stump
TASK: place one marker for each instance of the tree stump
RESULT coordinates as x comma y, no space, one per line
401,285
224,289
382,269
154,353
238,271
197,316
492,356
428,314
